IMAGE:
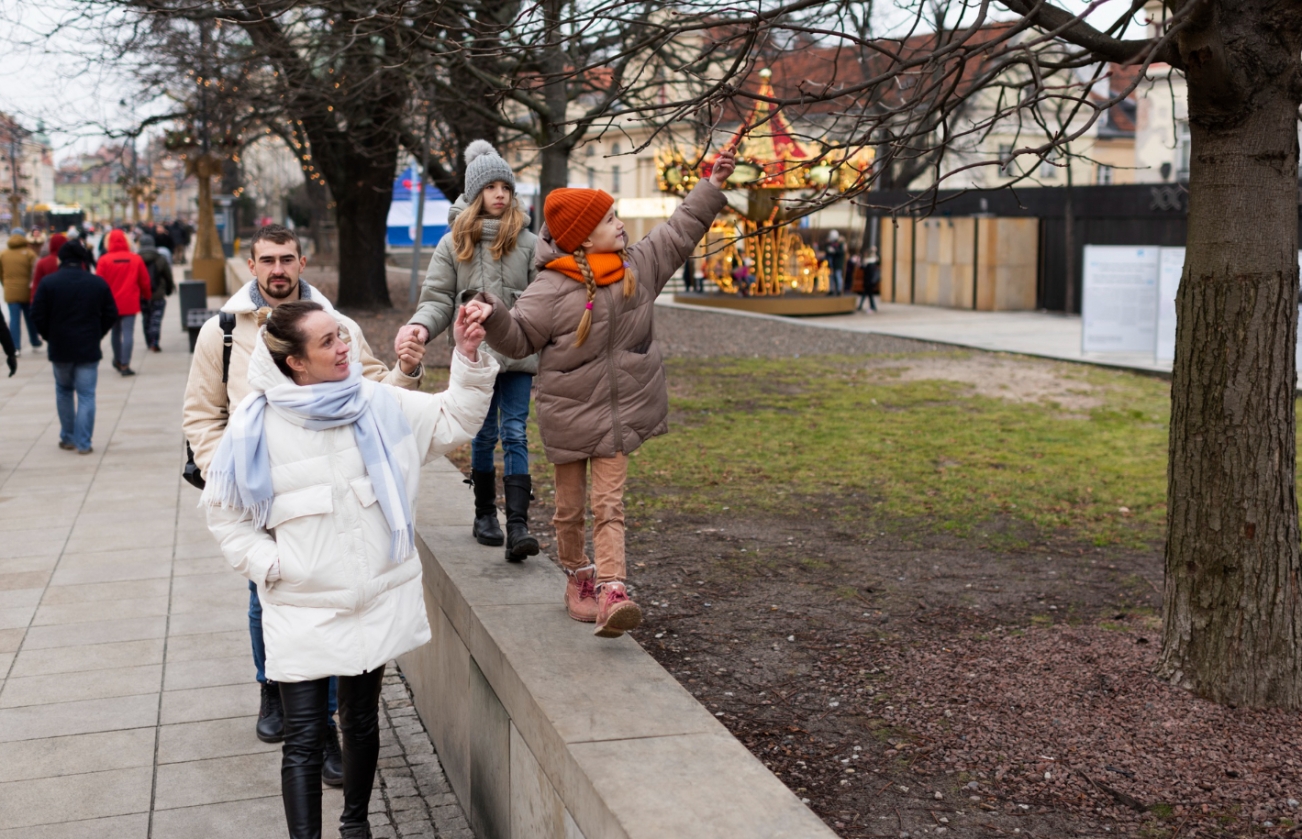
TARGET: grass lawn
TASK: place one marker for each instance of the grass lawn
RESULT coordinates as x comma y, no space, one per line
770,435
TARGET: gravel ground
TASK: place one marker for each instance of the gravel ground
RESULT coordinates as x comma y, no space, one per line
1071,717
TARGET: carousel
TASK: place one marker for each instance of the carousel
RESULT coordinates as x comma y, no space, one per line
752,254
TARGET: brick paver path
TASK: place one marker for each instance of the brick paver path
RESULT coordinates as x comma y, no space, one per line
127,699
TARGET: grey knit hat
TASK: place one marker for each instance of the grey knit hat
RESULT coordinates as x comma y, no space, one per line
483,166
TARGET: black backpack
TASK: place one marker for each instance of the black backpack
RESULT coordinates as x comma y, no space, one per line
191,471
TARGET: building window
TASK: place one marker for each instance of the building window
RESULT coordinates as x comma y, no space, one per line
1105,175
1006,167
592,150
592,177
614,149
614,179
1047,170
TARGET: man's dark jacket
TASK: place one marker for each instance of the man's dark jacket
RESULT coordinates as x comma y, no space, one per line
74,310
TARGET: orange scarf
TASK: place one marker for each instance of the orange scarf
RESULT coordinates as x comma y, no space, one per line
606,267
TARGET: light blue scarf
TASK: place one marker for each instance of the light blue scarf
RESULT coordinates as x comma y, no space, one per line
240,474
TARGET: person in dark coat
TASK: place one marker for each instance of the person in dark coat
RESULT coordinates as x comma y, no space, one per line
7,343
872,279
159,267
74,310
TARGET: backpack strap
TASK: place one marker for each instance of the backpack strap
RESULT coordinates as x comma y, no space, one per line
227,321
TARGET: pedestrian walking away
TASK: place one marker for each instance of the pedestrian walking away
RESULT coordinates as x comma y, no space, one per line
128,278
162,284
74,309
219,381
834,252
489,248
48,264
310,493
601,378
7,344
17,265
872,279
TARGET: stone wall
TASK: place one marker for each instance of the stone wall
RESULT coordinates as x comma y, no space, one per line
546,732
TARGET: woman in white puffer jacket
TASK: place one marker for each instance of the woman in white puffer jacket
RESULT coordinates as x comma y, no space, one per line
310,494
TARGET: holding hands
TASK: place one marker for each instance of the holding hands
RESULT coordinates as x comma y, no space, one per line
468,331
409,345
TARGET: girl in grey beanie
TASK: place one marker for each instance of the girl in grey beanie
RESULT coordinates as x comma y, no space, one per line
489,248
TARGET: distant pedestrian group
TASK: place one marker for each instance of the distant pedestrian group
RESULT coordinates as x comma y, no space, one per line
68,301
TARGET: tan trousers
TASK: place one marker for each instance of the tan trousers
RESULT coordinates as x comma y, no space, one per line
608,477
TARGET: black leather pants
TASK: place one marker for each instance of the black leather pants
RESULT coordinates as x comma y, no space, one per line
300,764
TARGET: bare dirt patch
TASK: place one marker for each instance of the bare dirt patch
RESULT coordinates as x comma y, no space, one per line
1015,378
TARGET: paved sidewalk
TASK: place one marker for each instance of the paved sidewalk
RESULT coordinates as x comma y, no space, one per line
1030,333
128,702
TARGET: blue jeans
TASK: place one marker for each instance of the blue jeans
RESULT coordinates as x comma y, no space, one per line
19,311
260,652
122,339
76,421
507,415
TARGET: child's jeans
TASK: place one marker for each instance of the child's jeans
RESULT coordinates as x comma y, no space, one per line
608,478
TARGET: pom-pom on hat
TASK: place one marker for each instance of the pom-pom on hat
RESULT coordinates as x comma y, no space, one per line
572,214
483,166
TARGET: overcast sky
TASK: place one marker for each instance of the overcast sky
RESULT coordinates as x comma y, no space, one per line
57,80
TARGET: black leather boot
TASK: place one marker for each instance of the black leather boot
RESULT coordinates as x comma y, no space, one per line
332,767
487,531
519,542
301,756
359,723
271,716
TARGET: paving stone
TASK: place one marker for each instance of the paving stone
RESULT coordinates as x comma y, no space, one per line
72,797
124,651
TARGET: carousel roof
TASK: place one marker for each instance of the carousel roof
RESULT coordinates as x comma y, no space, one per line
765,136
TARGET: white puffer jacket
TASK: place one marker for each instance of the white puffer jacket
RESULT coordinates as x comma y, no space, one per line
341,607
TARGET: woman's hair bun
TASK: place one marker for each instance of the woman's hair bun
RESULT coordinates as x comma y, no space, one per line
478,148
262,315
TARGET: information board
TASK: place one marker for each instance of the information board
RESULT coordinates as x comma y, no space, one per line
1119,299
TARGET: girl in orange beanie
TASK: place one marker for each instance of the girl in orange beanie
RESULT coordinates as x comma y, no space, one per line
601,381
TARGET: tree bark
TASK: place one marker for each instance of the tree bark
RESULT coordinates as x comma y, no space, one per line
1233,615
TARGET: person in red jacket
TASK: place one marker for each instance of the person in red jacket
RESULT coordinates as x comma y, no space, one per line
128,278
47,265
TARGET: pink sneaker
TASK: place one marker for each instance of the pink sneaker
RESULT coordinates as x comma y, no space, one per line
581,594
616,614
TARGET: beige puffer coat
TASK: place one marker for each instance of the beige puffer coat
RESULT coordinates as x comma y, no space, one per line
609,395
447,277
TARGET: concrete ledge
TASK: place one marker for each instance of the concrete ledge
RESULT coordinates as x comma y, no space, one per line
546,732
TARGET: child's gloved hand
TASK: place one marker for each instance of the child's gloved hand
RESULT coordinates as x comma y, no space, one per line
468,333
724,165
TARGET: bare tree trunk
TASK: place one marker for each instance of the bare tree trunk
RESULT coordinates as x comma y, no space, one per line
1233,611
325,250
361,214
555,170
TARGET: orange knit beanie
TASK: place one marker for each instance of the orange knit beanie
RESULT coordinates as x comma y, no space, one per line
572,214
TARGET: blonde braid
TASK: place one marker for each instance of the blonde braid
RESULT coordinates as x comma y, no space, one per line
589,280
630,281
